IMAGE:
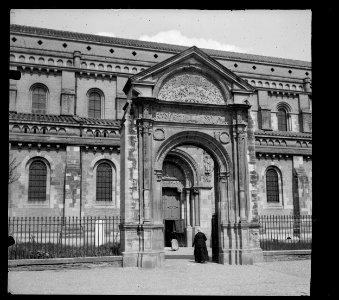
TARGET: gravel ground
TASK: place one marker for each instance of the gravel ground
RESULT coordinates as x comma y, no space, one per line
177,277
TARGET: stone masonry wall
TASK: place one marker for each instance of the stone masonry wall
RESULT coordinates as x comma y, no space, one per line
18,191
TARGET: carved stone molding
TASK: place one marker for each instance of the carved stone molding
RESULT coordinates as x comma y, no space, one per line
224,138
191,87
159,134
186,116
179,185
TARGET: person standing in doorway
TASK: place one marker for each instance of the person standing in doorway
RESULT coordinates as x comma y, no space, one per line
200,249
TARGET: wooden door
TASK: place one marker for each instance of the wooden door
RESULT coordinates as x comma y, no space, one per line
171,200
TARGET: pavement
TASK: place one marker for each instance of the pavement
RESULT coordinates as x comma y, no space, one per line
179,276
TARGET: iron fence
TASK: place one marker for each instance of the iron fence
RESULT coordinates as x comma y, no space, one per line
56,237
286,232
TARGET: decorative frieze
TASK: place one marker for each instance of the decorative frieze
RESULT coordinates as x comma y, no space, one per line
179,185
187,116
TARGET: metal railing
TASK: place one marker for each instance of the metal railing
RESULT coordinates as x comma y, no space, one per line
55,237
285,232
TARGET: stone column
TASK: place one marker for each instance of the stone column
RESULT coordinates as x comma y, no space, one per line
192,212
188,218
182,205
242,167
223,202
188,215
196,206
146,144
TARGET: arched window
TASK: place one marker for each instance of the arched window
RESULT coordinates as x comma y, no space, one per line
37,181
104,182
39,100
272,186
282,120
94,105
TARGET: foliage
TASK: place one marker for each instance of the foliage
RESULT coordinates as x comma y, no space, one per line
12,175
33,250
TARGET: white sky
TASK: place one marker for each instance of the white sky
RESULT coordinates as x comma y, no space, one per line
277,33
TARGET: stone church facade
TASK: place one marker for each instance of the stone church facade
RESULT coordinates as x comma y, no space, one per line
167,137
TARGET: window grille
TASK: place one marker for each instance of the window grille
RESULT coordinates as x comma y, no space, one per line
37,181
282,120
39,98
94,108
272,186
104,182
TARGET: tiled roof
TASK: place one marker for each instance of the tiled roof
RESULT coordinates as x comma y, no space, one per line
61,119
283,133
151,45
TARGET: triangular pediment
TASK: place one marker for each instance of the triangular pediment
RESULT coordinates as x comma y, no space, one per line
196,69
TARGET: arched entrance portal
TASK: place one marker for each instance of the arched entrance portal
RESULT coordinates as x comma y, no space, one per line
188,196
194,183
187,115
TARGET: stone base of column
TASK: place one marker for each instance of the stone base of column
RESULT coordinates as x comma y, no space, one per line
240,256
145,259
189,236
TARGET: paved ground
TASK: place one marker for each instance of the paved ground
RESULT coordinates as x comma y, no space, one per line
178,277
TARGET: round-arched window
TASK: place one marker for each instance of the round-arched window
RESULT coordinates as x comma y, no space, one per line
282,120
94,105
104,182
39,100
37,181
272,186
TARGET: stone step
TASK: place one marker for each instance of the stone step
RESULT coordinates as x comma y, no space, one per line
183,253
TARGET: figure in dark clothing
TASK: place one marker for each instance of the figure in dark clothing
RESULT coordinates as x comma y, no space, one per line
200,249
10,241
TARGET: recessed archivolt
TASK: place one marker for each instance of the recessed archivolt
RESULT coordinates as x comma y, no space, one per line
189,162
203,140
182,164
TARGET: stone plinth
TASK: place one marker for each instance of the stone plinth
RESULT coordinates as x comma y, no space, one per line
143,245
241,246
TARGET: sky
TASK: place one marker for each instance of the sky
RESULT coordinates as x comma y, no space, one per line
277,33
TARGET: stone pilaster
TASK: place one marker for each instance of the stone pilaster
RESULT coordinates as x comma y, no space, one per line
145,128
238,237
300,187
307,85
306,121
141,237
72,205
67,103
265,118
76,59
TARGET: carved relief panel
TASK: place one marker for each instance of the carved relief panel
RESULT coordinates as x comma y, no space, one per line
191,87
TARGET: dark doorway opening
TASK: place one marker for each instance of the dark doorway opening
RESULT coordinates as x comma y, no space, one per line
169,228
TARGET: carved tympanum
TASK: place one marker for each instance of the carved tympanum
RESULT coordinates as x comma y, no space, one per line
191,88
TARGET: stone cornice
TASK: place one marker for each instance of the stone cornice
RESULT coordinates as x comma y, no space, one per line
283,134
69,140
29,67
110,41
283,150
25,118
